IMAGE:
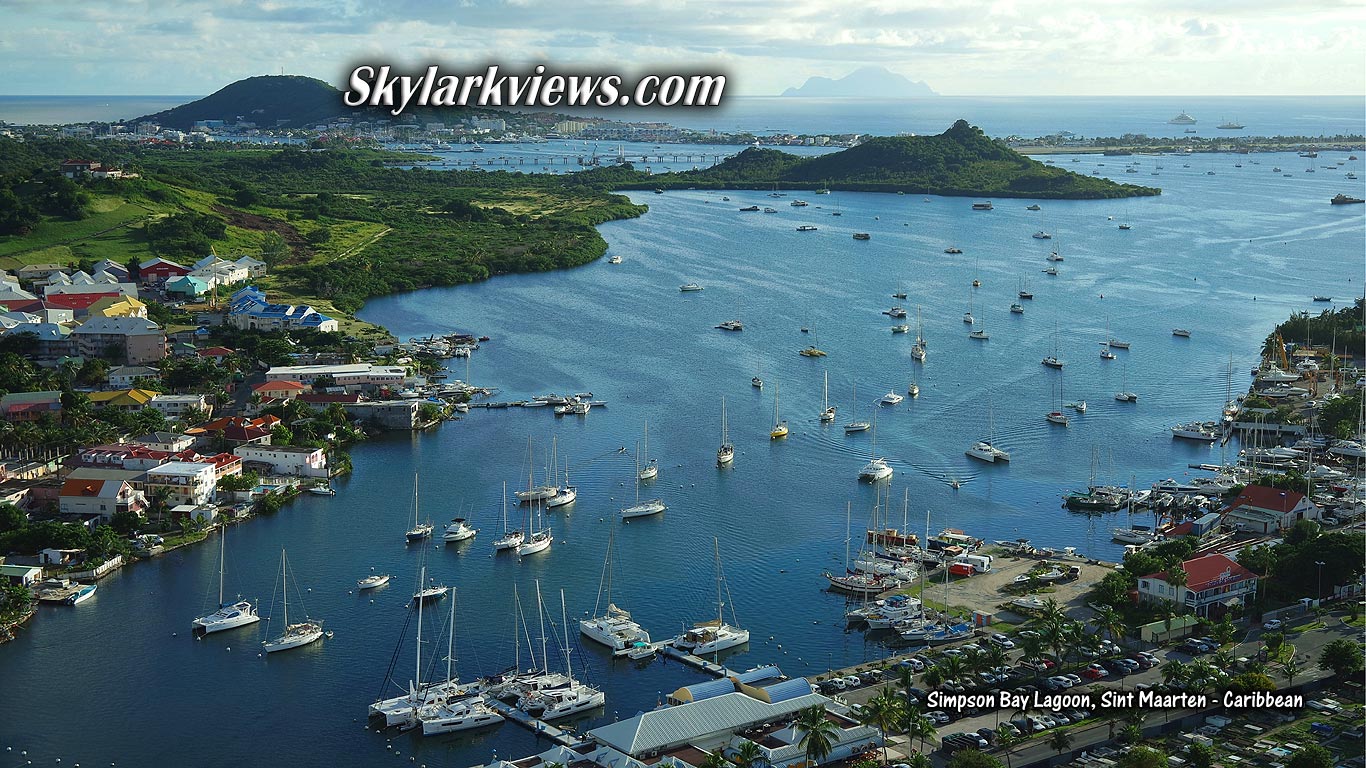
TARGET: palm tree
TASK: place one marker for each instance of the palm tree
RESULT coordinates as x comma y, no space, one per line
953,666
883,712
1290,669
905,680
919,760
1007,741
1109,619
714,760
748,755
1177,578
1175,671
917,726
1061,741
996,656
934,676
1222,659
818,733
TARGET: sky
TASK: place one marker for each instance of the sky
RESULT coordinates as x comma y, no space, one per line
958,47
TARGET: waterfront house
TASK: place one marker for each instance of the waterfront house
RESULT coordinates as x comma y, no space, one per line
284,459
1261,509
138,340
20,575
99,497
186,482
1214,584
30,406
351,377
125,376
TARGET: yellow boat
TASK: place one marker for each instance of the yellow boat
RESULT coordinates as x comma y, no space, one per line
779,426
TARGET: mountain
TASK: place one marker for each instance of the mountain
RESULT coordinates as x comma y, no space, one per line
962,161
865,83
270,101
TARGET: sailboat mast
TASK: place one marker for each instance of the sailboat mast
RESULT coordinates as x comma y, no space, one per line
222,553
421,582
564,619
450,641
716,549
847,513
284,580
505,507
540,611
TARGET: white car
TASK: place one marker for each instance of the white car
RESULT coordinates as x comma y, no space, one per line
1002,641
1058,681
1272,624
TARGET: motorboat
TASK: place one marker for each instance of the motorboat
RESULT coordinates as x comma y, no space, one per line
431,594
806,228
750,208
891,398
373,581
1181,332
896,312
1042,235
1106,354
770,210
1016,308
1079,406
322,490
1201,431
689,288
857,426
614,259
875,470
731,325
798,203
458,530
901,328
86,592
953,251
1047,576
982,206
1051,271
1034,207
985,451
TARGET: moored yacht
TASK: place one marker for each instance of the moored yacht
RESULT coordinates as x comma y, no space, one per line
238,614
876,469
459,713
891,398
1202,431
987,452
458,530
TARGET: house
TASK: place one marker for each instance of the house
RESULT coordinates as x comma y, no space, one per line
254,267
33,274
1214,583
159,270
216,354
280,390
30,406
20,575
130,456
50,342
185,482
117,306
138,340
130,400
114,269
125,376
75,169
1262,509
179,407
237,430
79,304
171,442
187,287
352,377
100,497
121,289
285,459
249,310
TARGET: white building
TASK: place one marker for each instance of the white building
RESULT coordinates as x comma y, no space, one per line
352,377
125,376
175,407
286,459
187,482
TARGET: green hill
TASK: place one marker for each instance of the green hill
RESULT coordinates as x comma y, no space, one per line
270,101
961,161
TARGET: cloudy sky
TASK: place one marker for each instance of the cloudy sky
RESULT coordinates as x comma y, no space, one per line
959,47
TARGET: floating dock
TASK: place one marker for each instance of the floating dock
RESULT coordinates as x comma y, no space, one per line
710,668
538,727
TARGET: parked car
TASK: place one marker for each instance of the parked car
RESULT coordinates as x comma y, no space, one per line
836,683
1075,679
1114,667
1094,672
987,735
1059,682
852,681
1002,641
1008,728
913,663
1272,624
1142,662
1150,657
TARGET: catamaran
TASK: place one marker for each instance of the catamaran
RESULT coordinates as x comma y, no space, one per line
715,635
449,707
400,710
614,628
298,634
876,469
551,703
239,614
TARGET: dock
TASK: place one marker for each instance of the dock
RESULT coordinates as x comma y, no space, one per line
538,727
696,662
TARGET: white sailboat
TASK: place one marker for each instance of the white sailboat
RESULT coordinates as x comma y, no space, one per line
540,538
552,703
1124,395
509,539
876,469
399,710
1056,416
239,614
715,635
985,450
651,469
726,453
856,425
614,628
642,508
453,709
564,492
827,410
534,492
298,634
918,349
419,531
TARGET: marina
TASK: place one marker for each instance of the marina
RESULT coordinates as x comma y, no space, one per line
777,507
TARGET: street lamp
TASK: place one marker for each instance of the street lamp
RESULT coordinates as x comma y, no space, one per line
1318,590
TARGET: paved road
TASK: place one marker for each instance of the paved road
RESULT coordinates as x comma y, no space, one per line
1307,646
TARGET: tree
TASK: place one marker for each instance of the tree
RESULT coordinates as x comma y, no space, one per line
1130,734
919,760
971,758
917,726
1175,671
1143,757
14,600
1342,657
1007,740
1060,741
1108,619
12,518
1273,642
882,712
714,760
748,755
818,733
1311,756
1248,682
1199,755
281,435
125,521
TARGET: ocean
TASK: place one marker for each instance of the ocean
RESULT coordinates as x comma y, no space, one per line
1225,255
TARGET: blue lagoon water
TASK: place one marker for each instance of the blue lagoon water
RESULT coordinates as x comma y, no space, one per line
1226,256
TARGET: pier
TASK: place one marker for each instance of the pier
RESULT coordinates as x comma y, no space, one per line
538,727
696,662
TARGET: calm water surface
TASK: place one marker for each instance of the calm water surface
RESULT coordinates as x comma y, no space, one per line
119,679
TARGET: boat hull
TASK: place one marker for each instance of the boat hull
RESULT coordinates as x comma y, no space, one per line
297,637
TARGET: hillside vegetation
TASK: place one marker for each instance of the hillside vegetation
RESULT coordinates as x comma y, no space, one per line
961,161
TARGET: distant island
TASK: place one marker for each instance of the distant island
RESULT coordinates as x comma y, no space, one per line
864,83
269,101
962,161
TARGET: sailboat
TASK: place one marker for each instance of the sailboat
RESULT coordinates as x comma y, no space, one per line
1056,415
978,334
540,539
239,614
553,702
419,531
967,316
1052,361
533,492
985,450
294,635
453,709
566,493
642,508
614,628
399,710
779,426
827,410
856,426
715,635
651,469
918,349
876,469
1124,395
1105,353
509,539
726,453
